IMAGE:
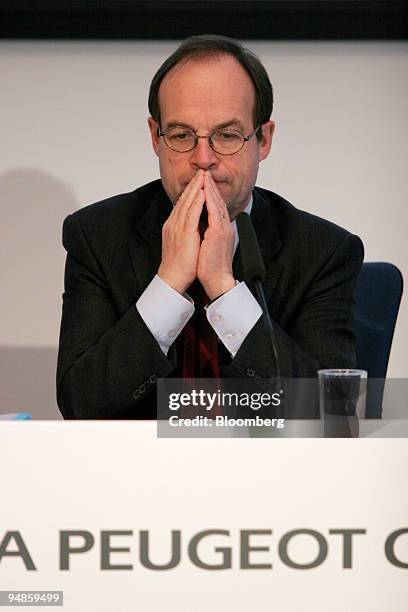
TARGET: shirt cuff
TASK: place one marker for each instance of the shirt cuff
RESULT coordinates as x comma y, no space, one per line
164,311
233,315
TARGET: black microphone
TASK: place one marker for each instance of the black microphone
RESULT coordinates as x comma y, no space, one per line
252,261
254,272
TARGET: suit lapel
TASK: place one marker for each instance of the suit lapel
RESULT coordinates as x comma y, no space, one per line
145,247
269,243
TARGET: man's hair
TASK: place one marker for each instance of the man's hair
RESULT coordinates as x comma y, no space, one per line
209,46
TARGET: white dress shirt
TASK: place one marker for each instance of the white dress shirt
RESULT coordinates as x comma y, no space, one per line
232,315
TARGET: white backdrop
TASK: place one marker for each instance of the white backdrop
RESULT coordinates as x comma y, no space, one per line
74,130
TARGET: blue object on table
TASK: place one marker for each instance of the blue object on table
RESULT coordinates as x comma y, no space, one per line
16,416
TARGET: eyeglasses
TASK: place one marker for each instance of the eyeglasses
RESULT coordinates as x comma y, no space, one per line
224,142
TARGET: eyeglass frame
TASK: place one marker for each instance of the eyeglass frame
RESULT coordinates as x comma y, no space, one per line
160,132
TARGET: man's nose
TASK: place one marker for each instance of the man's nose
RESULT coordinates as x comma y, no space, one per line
202,156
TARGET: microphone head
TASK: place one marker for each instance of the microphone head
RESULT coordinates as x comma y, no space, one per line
251,257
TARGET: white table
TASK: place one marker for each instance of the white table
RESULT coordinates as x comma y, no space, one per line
118,476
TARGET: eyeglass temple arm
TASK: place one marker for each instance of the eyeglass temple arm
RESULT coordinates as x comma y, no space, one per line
246,138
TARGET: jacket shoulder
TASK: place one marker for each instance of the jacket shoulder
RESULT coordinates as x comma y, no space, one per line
106,228
117,208
302,225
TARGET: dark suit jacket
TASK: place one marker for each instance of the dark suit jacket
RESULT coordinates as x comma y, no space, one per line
109,361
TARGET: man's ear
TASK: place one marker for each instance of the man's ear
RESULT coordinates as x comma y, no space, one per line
154,127
265,143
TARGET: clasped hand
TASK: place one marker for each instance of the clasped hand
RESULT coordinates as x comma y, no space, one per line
185,256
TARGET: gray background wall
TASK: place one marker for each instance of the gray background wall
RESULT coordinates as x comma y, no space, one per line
73,131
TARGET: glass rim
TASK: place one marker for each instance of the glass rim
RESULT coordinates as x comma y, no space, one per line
211,143
340,372
244,139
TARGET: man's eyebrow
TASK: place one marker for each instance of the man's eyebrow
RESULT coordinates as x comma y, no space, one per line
231,123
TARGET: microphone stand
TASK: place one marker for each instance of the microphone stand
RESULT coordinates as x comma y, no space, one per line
271,332
254,272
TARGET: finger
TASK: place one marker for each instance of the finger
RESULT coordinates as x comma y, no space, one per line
217,211
196,183
192,215
214,215
190,200
220,200
223,210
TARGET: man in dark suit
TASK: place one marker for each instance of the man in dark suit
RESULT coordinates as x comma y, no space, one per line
134,259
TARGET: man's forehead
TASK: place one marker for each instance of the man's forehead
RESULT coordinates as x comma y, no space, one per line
219,87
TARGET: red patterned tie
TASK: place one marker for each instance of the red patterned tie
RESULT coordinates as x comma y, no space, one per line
200,351
200,354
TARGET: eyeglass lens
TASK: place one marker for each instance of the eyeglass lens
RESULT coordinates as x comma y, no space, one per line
222,141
